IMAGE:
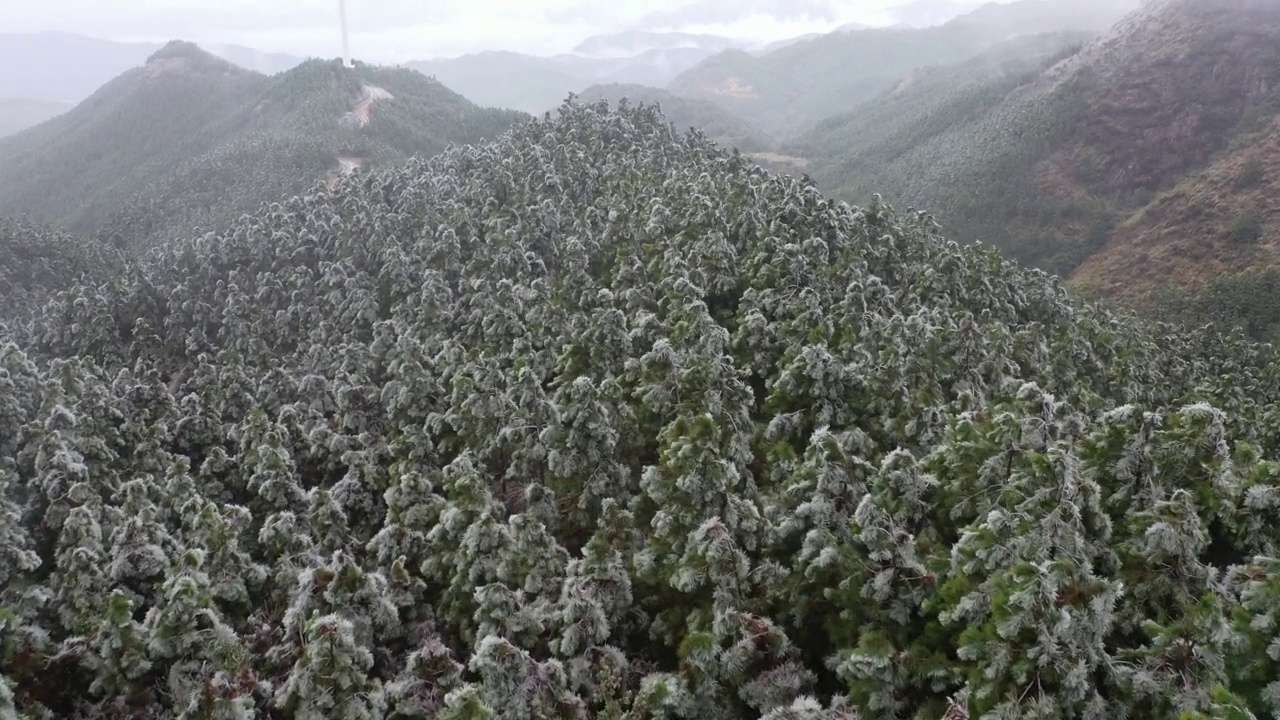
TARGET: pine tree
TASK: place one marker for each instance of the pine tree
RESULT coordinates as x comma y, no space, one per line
192,644
331,677
117,655
17,558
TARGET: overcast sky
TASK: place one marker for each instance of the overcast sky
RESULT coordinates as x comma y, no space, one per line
401,30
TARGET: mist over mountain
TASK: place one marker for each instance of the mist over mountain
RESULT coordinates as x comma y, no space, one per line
928,13
64,68
788,91
21,113
636,42
534,83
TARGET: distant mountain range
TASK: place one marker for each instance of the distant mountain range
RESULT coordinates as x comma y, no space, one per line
66,68
18,114
534,83
61,67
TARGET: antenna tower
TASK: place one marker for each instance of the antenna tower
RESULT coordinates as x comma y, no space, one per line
346,47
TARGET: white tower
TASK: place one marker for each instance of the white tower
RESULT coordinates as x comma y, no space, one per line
346,48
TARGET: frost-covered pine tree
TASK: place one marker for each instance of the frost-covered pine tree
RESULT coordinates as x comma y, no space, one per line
192,645
331,678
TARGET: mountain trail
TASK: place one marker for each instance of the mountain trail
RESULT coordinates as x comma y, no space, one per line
359,117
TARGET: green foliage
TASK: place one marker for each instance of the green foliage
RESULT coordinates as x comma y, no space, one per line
1252,174
599,421
39,262
1250,301
1247,228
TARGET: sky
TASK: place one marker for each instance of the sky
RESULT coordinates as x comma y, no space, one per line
387,31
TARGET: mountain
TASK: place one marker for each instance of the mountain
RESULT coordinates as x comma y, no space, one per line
189,140
926,102
717,124
534,83
78,167
789,91
21,113
599,420
1140,163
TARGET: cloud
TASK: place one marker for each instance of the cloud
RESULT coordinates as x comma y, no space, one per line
402,30
708,12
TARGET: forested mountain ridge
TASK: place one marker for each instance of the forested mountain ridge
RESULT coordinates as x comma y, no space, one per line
189,140
81,165
928,102
789,91
1059,163
600,421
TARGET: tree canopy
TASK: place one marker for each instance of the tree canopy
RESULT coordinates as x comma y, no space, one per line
600,421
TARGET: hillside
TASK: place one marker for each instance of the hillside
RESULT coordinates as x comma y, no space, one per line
599,421
927,102
719,126
1057,165
17,114
190,139
789,91
1222,220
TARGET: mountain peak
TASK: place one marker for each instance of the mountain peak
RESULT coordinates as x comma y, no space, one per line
184,56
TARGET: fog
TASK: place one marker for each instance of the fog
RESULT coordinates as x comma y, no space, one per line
400,30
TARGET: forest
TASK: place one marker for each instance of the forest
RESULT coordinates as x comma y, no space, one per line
597,420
